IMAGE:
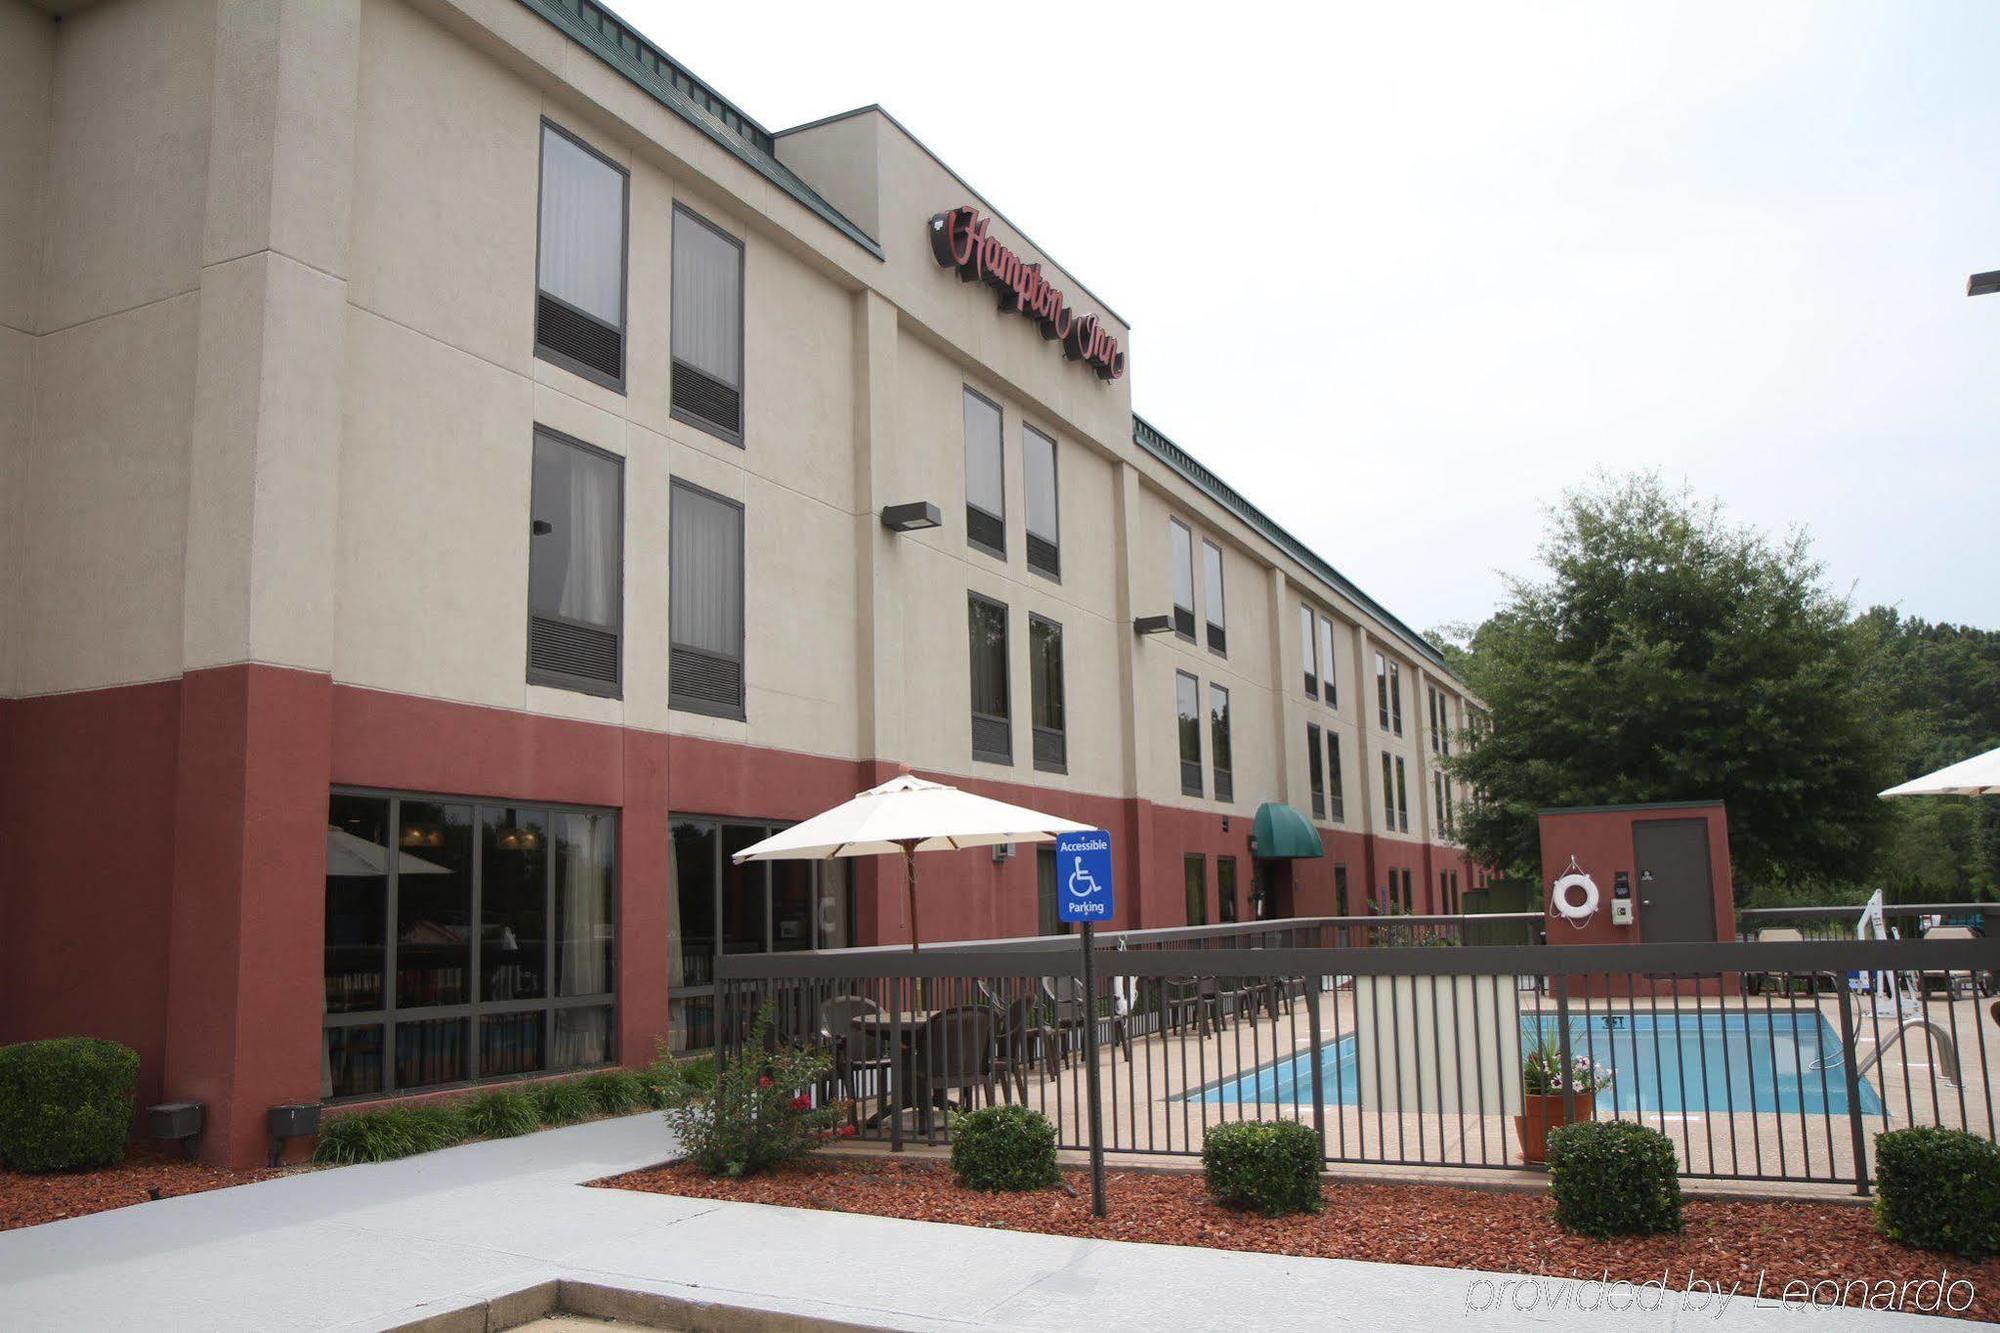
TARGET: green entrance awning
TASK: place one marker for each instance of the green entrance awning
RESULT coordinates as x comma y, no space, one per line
1281,832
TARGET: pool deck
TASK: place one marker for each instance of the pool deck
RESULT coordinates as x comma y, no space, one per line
376,1247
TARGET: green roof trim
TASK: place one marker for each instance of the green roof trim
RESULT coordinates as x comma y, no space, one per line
1148,437
1282,833
622,46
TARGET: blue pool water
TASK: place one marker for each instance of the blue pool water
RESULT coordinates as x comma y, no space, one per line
1660,1060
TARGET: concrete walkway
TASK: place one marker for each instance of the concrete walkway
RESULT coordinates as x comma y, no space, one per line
373,1246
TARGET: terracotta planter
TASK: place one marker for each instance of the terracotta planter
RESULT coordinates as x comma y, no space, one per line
1542,1112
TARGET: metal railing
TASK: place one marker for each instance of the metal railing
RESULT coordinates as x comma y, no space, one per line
1773,1061
1905,920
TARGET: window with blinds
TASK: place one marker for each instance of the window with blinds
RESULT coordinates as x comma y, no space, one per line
580,260
704,602
1217,614
1181,551
985,477
1038,466
1306,650
1327,683
575,542
707,327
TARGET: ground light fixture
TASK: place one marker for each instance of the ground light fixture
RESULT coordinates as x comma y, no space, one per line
1152,624
912,517
1983,284
291,1120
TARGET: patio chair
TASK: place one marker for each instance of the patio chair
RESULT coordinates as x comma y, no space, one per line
1070,1009
952,1052
854,1052
1188,1001
1785,982
1937,980
1016,1038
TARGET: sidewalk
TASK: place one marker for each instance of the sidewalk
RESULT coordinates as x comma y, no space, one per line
373,1246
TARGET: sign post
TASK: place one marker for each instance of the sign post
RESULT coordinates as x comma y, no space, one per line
1086,897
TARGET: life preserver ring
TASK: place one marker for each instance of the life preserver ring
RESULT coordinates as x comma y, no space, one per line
1576,913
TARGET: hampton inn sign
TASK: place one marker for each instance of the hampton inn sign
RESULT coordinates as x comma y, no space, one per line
964,240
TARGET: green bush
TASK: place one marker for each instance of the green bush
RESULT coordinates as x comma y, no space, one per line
564,1102
1270,1165
1004,1148
671,1076
392,1132
65,1103
757,1114
616,1091
1614,1178
502,1115
1939,1189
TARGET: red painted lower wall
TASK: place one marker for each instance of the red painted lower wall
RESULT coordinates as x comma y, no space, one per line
166,848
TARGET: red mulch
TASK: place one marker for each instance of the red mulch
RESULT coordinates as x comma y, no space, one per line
27,1200
1724,1243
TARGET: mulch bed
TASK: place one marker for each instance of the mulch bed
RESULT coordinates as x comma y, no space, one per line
146,1173
1725,1242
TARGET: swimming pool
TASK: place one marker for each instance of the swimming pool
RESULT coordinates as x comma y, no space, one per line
1662,1061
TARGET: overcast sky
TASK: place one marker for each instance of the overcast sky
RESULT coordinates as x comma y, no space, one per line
1401,273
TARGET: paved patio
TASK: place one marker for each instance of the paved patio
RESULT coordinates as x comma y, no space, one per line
375,1246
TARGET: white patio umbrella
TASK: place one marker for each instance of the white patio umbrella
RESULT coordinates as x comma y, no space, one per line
1977,776
908,815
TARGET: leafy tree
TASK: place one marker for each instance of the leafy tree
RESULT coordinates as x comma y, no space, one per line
1671,655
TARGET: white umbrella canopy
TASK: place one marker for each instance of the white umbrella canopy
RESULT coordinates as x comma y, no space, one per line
1977,776
908,815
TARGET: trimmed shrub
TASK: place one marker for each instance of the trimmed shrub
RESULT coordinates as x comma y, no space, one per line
1614,1178
502,1115
1004,1148
392,1132
564,1102
1938,1189
616,1091
1270,1165
670,1077
758,1113
65,1103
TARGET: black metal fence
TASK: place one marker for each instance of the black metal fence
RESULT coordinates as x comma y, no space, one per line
1764,1061
1903,921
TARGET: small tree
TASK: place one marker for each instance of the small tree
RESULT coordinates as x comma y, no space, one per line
759,1111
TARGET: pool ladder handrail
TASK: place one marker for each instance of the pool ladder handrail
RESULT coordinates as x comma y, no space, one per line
1947,1050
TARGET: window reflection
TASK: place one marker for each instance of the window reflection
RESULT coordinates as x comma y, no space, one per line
357,902
513,930
434,905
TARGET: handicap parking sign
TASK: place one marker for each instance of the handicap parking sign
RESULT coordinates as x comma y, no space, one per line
1083,876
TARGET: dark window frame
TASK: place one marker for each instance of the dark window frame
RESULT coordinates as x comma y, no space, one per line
1195,888
1006,679
742,387
1329,664
389,1015
1053,570
1060,744
559,679
1218,628
1184,616
710,708
1191,775
1226,906
1402,796
1221,746
1315,773
1336,786
1000,448
549,354
1308,621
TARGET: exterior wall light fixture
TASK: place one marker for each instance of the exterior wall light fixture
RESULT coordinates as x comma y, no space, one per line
1983,284
1152,624
912,517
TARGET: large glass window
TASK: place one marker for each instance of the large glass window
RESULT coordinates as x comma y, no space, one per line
1327,676
445,922
1388,794
576,541
1396,697
1315,774
1180,543
1306,623
1045,675
704,602
1187,713
1402,798
1336,789
985,477
1382,690
580,267
1218,739
992,719
1218,621
707,327
1194,869
1038,465
1225,887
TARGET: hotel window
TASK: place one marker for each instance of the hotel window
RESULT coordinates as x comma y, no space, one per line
1382,691
992,725
575,603
431,982
580,261
1218,737
1340,890
985,477
1395,722
1402,798
1409,891
1316,775
1388,793
1450,820
1187,718
1336,791
717,907
1437,792
1225,887
1194,869
1440,722
1047,912
704,602
1045,679
1181,542
1306,622
707,327
1038,466
1326,672
1218,622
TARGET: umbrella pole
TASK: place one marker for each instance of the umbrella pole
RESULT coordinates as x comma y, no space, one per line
910,886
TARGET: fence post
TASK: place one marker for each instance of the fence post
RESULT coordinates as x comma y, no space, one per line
896,1066
1319,1089
1562,1039
1852,1077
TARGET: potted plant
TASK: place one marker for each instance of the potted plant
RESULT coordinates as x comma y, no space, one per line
1546,1103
